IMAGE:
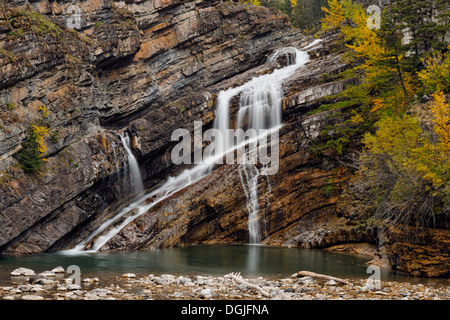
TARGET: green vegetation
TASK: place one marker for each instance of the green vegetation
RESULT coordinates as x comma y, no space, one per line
31,156
29,21
8,55
304,14
332,106
405,164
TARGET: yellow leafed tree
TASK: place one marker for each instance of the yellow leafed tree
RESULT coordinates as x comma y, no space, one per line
334,15
441,118
254,2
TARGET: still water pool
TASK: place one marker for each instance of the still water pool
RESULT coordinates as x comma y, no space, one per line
250,260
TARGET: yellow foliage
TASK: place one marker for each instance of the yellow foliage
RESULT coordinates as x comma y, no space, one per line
254,2
402,140
334,16
44,111
436,75
40,132
378,104
357,119
441,118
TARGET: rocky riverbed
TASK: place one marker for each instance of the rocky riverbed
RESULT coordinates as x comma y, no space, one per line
55,285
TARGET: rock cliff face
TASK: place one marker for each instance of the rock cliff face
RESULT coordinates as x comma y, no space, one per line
125,62
149,68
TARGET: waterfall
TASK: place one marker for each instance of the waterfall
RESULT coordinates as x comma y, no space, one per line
113,145
133,166
249,175
260,108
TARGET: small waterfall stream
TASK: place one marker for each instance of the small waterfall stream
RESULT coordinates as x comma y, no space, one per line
260,108
133,166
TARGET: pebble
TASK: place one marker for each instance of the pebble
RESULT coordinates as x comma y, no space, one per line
73,287
166,286
306,280
32,297
37,288
206,293
48,274
58,269
330,283
161,281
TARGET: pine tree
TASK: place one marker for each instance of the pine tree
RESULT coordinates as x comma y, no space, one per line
29,157
421,25
307,13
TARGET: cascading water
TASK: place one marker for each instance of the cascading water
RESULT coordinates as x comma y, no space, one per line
260,108
249,175
135,173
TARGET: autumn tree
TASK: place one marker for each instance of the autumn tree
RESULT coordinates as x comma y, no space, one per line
405,165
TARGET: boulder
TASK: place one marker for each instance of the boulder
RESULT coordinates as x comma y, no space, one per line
22,272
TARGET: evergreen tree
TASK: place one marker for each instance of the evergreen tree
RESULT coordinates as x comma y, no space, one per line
307,13
29,156
420,24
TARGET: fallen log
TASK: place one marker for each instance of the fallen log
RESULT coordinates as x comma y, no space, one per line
320,276
239,280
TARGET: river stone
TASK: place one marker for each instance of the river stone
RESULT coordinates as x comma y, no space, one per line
73,287
306,280
101,292
206,293
24,287
128,275
37,278
48,274
32,297
161,281
330,283
36,288
22,272
90,296
183,280
242,287
58,269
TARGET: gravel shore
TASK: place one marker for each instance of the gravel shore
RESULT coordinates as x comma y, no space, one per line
56,286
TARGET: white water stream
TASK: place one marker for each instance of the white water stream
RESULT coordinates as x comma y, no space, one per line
260,108
135,173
